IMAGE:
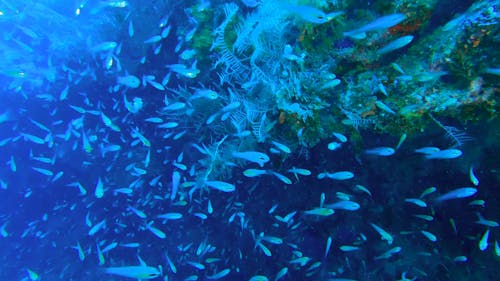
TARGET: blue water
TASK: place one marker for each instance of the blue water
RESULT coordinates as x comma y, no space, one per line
56,143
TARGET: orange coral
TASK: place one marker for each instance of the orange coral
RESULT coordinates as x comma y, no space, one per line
371,109
302,35
282,117
413,23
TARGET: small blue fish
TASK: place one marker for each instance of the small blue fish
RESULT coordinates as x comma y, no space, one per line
158,233
170,216
109,247
483,243
99,189
168,125
97,227
254,173
166,31
174,106
176,179
427,150
281,177
124,190
81,253
153,39
344,205
340,137
4,117
342,175
492,70
416,201
396,44
381,151
204,94
252,156
473,179
250,3
459,193
109,148
282,147
299,171
33,275
334,145
259,278
140,272
156,120
384,107
320,212
220,185
129,81
384,235
312,14
281,273
331,84
483,221
183,70
134,106
445,154
32,138
131,245
12,163
219,275
389,253
130,29
328,246
104,47
43,171
378,24
137,212
460,259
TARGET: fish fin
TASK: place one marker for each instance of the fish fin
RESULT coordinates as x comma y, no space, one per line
141,261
